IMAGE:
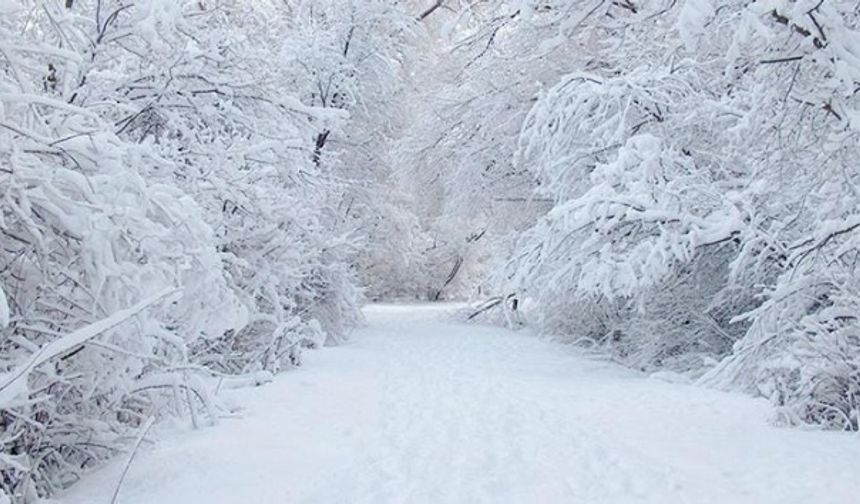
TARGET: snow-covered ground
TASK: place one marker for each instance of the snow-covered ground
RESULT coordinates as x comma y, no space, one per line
419,410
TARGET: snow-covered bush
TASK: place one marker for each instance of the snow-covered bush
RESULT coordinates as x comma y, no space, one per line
85,236
162,220
702,171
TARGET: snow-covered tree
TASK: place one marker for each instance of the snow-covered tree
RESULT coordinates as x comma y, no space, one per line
201,188
702,176
163,221
85,238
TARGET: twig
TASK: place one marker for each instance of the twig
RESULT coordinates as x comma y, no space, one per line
143,431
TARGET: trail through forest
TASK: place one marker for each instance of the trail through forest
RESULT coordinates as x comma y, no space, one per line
419,409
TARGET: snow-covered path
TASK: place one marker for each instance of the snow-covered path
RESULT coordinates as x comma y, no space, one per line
418,410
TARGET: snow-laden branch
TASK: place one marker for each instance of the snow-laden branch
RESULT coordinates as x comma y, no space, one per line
14,383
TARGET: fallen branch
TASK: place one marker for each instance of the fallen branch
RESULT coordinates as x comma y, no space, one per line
490,304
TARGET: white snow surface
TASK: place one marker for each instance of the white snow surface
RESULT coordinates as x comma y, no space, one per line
419,409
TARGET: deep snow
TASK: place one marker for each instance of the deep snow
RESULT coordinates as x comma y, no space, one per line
417,409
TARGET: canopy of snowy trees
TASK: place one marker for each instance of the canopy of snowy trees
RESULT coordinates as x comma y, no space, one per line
192,191
701,158
177,202
672,182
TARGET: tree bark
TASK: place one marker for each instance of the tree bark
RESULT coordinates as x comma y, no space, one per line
320,143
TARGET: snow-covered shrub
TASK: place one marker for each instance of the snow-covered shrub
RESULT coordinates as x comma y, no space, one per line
801,349
685,322
705,164
85,237
162,220
243,147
